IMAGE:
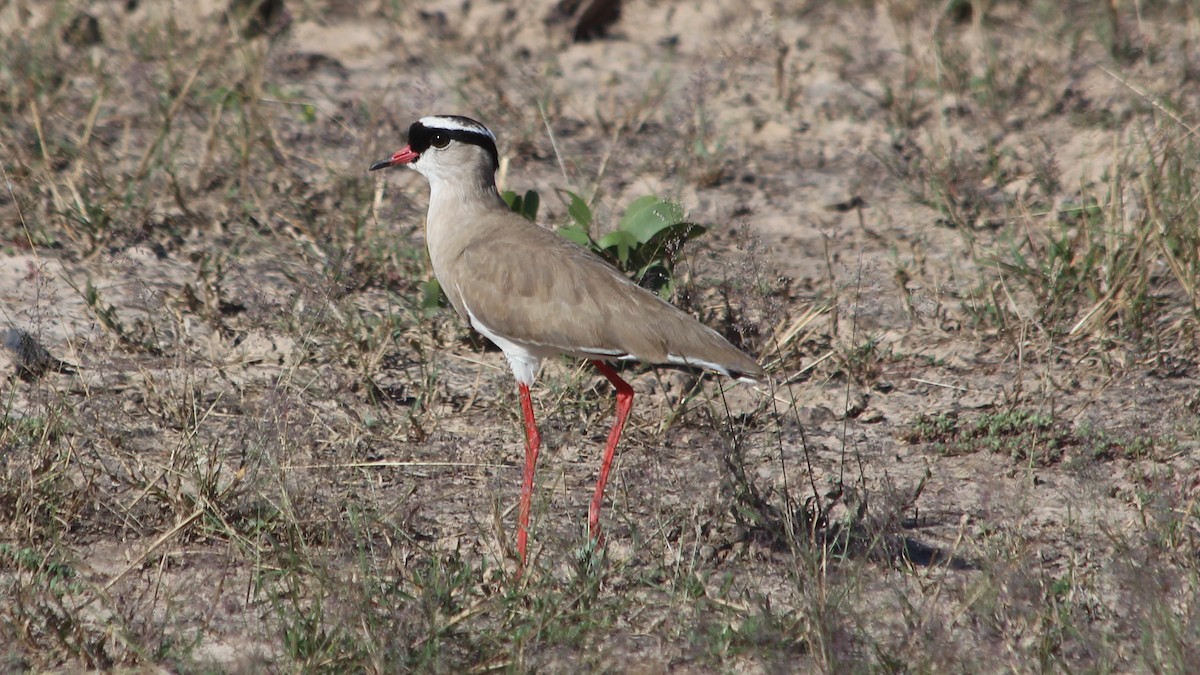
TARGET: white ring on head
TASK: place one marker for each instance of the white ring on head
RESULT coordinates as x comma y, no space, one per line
456,124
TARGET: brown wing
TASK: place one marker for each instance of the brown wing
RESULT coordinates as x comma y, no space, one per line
530,285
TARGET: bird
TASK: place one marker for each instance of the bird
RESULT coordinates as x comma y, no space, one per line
534,294
32,359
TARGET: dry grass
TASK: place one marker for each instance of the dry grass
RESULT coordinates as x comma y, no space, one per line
964,241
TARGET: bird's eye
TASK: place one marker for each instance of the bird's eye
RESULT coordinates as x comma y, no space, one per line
439,141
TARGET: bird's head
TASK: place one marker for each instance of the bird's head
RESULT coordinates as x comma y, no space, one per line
447,148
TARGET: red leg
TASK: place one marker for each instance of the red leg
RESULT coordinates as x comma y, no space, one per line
533,441
624,405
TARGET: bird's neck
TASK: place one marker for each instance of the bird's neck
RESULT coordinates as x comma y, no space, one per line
464,197
457,208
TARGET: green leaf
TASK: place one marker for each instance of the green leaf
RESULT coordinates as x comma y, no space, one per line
512,199
526,206
647,215
663,244
579,211
432,296
576,235
530,209
619,242
671,237
634,210
656,277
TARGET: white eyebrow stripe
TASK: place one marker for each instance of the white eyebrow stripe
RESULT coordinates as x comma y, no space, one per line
455,124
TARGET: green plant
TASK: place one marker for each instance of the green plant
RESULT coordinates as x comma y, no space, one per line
644,243
1022,434
526,205
1029,436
